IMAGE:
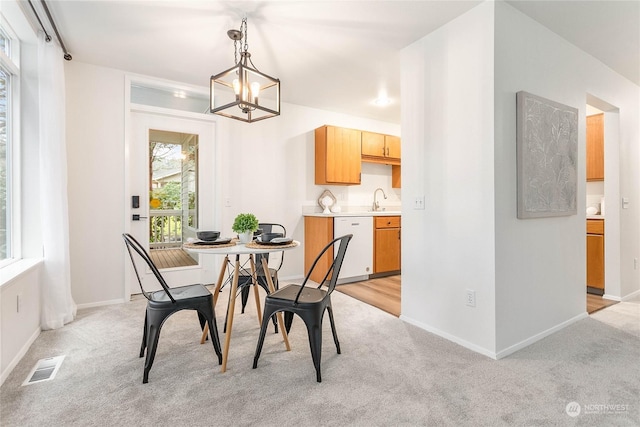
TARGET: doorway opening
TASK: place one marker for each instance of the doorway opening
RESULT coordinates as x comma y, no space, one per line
602,189
173,196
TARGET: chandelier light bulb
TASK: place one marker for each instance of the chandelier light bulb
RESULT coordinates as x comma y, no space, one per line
255,90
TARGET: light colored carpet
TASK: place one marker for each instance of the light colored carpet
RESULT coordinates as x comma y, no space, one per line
389,373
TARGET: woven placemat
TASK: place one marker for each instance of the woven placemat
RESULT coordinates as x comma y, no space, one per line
201,246
256,245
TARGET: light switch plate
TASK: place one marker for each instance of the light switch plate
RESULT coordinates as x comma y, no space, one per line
625,203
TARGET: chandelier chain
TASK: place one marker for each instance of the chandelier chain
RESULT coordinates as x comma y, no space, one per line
243,31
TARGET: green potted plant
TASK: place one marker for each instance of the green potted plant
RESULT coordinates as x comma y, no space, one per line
245,224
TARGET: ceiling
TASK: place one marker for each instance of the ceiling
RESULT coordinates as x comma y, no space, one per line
332,55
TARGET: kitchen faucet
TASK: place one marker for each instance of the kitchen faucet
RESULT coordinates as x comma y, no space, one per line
376,204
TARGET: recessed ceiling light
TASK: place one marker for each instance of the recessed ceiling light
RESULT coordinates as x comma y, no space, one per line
382,101
180,94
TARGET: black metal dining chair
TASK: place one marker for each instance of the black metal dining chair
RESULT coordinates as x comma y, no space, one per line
309,303
245,281
163,303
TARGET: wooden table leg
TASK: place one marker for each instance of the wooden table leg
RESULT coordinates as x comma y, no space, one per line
216,292
256,293
272,288
223,272
232,306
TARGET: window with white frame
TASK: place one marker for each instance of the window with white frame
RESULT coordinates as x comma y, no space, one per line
9,76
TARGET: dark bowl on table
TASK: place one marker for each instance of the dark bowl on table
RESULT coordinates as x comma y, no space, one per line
267,237
208,236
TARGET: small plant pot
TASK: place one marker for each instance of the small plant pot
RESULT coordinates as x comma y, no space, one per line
246,237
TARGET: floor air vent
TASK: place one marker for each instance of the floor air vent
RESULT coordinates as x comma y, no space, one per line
44,370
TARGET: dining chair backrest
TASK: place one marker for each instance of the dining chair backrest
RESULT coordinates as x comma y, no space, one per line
334,268
132,243
268,227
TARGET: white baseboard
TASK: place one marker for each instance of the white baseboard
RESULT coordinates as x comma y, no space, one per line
632,295
449,337
537,337
611,297
346,280
5,374
503,353
101,303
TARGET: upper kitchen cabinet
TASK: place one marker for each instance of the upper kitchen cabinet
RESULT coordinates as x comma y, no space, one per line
595,147
379,148
338,156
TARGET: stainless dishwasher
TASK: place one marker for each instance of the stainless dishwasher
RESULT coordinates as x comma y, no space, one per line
358,261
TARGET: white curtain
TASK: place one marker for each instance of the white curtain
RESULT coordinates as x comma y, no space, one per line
57,306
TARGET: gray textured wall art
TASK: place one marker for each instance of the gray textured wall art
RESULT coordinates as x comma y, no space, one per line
547,151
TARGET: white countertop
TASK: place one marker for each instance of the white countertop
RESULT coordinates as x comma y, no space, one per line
363,213
595,216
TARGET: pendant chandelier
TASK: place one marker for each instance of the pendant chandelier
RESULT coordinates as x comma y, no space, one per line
242,92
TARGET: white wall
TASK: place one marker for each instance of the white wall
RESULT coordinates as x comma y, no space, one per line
448,156
541,263
265,168
19,322
459,130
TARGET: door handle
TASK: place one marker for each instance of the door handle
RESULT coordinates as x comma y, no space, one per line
136,217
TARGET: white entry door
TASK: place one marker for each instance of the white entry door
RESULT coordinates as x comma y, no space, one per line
171,180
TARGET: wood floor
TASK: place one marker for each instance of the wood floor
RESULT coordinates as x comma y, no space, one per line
383,293
171,258
596,302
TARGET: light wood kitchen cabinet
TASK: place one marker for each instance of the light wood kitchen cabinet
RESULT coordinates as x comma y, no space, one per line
396,176
318,232
379,148
338,156
386,241
595,147
595,255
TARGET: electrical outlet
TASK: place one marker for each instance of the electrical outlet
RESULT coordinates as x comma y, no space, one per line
470,298
418,202
227,202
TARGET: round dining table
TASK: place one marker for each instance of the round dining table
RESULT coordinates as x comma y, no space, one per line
236,249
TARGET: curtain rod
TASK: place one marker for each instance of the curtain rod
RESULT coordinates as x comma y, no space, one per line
67,55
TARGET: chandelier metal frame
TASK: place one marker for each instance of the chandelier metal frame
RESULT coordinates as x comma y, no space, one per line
242,92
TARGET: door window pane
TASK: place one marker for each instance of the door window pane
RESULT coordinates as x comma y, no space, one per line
173,189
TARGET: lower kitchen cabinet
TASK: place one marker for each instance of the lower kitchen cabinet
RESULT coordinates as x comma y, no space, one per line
386,244
595,256
380,239
318,232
